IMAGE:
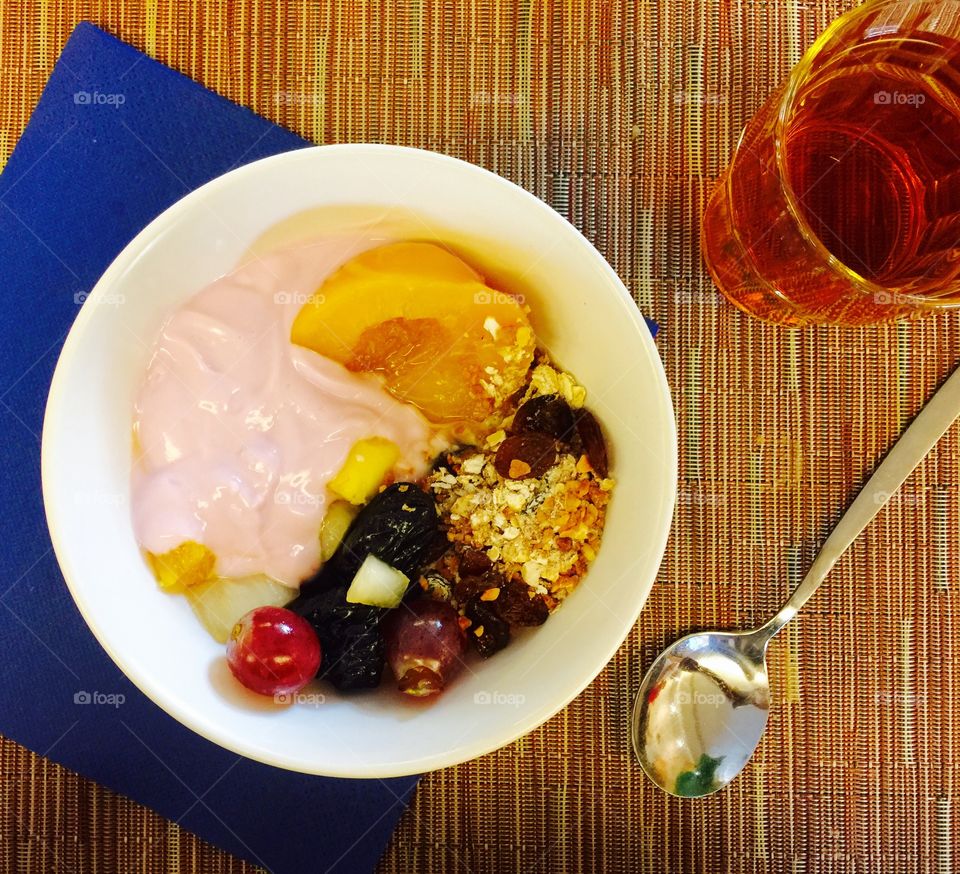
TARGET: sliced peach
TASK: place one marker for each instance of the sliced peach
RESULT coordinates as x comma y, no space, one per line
425,320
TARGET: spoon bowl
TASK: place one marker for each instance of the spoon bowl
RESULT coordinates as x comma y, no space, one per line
701,711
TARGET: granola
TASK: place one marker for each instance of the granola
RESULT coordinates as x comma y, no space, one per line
536,520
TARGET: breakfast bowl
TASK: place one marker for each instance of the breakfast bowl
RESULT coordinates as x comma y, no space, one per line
581,313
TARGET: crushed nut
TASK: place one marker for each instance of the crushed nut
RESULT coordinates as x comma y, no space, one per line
518,468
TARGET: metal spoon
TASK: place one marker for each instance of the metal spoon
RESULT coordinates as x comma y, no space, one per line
702,706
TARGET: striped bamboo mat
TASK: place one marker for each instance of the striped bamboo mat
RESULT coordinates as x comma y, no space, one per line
619,114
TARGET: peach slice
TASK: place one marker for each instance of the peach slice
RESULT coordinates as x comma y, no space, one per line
419,316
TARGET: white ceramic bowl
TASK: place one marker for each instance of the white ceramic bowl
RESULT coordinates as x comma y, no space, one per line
582,314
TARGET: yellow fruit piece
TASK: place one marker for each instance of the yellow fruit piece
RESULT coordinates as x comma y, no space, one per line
419,316
336,521
367,465
219,603
187,565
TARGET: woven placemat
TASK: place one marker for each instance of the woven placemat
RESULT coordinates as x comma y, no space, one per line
620,115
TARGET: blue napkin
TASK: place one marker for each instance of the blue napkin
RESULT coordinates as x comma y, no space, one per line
115,139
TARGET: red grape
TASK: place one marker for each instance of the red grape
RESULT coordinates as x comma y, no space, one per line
425,646
272,651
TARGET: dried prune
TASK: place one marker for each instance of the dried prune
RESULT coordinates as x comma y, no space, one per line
399,526
473,562
349,634
525,455
591,437
517,605
545,414
489,632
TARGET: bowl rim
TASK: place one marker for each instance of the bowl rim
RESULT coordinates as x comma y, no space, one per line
188,715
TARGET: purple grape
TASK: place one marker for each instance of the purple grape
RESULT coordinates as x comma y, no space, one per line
425,646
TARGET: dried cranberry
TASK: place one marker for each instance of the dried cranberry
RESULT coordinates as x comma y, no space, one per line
473,562
545,414
494,633
518,605
525,455
593,443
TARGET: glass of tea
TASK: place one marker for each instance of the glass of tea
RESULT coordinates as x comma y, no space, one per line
841,204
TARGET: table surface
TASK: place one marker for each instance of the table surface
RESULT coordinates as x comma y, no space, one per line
619,114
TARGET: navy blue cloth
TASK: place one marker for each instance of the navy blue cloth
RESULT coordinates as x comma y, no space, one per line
115,139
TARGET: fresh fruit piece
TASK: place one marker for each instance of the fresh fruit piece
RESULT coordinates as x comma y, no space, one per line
425,646
588,428
220,603
336,522
525,455
488,632
377,584
186,565
517,604
545,414
349,636
273,651
424,320
367,465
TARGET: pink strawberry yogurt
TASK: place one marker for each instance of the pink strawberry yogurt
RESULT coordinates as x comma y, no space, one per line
238,431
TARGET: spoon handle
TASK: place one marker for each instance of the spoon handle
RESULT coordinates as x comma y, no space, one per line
920,437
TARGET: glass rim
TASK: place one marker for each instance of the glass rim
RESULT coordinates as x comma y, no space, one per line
798,77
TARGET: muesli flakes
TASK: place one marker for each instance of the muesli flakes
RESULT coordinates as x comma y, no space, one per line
542,530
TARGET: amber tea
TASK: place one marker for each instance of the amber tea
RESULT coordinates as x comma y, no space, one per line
842,202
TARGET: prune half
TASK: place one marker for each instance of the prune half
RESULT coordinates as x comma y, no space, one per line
353,648
399,526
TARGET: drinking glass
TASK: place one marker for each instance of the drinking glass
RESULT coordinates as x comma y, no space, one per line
841,204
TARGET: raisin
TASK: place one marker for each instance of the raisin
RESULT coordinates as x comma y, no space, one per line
446,459
545,414
517,605
466,587
494,633
435,585
525,455
593,443
473,562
